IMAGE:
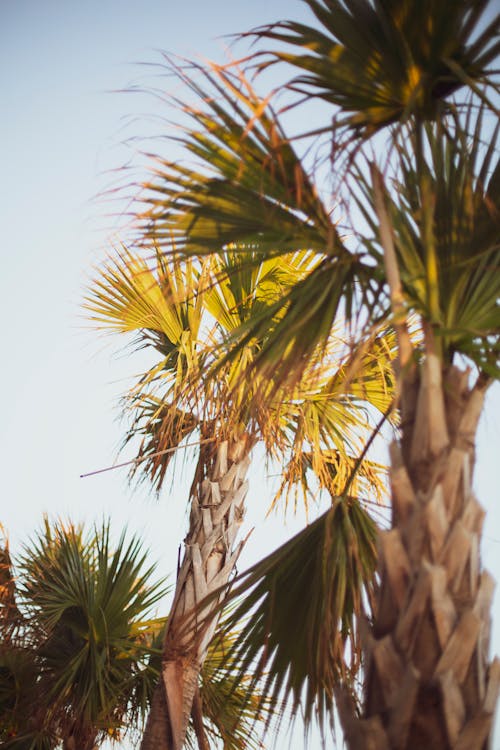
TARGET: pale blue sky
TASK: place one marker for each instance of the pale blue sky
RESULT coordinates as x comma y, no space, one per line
61,131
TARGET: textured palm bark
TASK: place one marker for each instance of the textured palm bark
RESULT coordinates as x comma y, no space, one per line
429,683
157,731
210,556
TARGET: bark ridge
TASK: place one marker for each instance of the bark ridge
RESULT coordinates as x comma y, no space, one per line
429,684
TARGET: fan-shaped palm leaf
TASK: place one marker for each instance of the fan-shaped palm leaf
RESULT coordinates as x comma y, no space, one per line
248,185
300,631
21,712
381,62
163,310
323,428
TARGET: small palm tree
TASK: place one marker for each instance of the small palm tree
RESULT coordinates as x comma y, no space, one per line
76,640
185,312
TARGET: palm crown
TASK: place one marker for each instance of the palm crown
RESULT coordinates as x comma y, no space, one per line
187,314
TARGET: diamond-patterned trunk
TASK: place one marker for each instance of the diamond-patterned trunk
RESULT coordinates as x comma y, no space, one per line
210,556
429,685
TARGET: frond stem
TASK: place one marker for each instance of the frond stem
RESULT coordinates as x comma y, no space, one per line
149,455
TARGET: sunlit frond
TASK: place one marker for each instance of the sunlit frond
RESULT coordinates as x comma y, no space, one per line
160,307
323,428
297,328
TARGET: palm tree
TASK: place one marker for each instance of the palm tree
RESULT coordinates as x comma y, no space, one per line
424,246
76,639
183,310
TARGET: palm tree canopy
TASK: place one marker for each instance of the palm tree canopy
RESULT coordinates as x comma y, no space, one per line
78,665
322,418
440,231
446,226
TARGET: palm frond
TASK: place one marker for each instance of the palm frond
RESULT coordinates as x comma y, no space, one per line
10,615
321,430
301,609
162,427
247,187
22,714
382,62
161,308
296,329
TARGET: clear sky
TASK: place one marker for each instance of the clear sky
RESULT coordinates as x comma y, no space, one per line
62,131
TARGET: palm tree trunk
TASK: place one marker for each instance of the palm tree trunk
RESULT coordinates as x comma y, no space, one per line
217,509
428,681
157,731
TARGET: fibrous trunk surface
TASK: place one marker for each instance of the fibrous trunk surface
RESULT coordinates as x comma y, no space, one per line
210,556
429,684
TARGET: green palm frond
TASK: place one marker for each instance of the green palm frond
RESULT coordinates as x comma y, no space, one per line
450,261
296,329
245,284
382,61
463,182
301,609
21,711
247,187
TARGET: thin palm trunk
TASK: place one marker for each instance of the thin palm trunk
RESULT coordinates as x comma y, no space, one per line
217,509
157,731
428,681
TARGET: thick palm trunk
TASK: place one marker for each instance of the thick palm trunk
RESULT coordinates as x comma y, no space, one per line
217,509
428,681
